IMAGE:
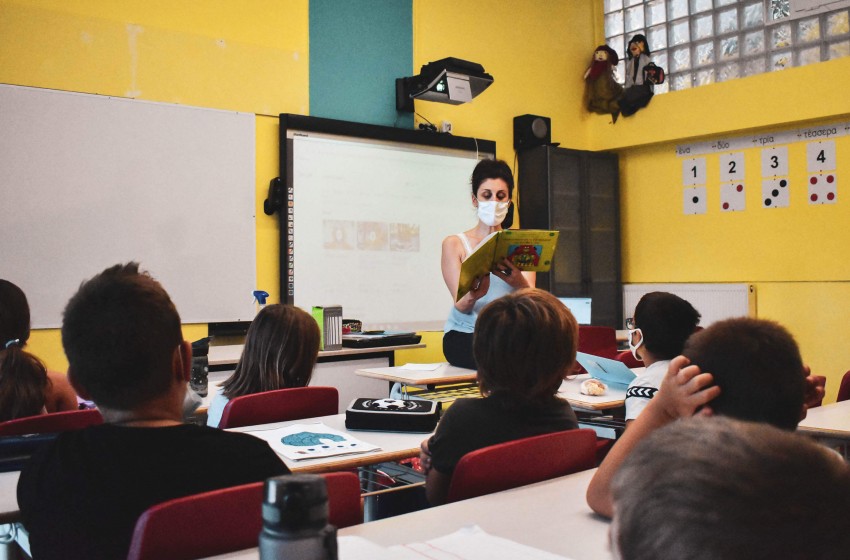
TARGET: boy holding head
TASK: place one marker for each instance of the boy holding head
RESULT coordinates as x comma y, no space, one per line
707,488
80,495
747,369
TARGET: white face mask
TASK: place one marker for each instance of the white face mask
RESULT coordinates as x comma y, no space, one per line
634,347
492,212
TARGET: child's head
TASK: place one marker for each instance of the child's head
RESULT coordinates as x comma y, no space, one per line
757,366
122,336
524,345
280,352
665,321
707,488
23,378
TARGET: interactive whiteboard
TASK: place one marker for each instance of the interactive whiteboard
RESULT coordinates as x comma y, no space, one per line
367,208
88,181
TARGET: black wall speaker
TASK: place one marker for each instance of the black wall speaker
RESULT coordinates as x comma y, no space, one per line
531,131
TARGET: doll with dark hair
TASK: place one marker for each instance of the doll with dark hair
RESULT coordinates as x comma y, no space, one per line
601,90
638,91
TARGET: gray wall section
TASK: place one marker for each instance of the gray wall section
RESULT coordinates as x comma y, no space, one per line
357,50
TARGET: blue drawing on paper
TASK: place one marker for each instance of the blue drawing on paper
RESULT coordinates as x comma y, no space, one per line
308,439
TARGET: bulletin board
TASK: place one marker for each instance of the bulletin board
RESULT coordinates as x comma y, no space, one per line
88,181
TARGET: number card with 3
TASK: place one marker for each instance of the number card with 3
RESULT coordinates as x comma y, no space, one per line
693,171
732,167
820,156
774,162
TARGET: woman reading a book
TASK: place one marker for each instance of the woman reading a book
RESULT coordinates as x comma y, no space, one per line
281,349
492,189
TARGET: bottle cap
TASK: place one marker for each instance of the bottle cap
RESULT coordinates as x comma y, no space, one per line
295,502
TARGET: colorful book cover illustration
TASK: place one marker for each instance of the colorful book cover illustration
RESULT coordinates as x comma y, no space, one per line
527,249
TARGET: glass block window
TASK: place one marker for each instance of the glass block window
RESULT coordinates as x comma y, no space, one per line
701,42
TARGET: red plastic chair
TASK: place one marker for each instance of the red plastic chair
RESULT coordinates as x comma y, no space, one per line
522,461
599,341
627,358
227,520
280,406
844,388
51,423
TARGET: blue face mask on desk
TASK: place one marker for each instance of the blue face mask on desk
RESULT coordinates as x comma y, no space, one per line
492,212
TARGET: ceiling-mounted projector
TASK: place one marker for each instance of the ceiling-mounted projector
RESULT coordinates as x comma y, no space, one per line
450,80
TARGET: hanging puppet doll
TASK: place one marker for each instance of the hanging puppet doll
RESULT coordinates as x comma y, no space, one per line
639,90
602,91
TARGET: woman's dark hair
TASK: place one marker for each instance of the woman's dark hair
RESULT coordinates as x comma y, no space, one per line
23,378
280,352
524,345
666,321
492,169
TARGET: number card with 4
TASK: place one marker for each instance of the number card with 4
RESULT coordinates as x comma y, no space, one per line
820,156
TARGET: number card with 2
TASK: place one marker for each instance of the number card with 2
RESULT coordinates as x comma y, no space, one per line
732,167
693,171
774,162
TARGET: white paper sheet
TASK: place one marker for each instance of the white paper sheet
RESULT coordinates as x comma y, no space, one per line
312,441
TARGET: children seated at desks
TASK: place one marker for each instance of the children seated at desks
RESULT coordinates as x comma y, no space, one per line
81,494
710,488
657,334
26,387
281,349
748,369
524,345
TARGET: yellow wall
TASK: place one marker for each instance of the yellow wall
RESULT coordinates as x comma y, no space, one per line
249,56
792,255
253,56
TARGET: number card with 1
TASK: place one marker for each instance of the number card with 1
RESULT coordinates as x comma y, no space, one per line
693,171
695,200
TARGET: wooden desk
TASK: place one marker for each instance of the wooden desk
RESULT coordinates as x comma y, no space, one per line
394,446
829,420
228,355
443,375
551,516
571,390
334,368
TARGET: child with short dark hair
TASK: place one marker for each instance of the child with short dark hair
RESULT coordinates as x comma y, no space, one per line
754,364
657,333
80,495
524,345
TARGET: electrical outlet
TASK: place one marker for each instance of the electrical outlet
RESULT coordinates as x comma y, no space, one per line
446,127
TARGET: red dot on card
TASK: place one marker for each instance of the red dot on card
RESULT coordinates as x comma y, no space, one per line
830,196
726,206
813,180
739,188
830,178
814,197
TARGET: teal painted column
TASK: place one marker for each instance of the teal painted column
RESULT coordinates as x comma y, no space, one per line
357,50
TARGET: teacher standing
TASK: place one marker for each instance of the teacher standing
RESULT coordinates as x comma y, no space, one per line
492,190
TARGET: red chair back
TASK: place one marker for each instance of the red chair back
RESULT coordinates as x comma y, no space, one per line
627,358
522,461
227,520
844,388
51,423
280,406
599,341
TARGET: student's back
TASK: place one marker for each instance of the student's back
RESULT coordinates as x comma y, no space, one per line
81,495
